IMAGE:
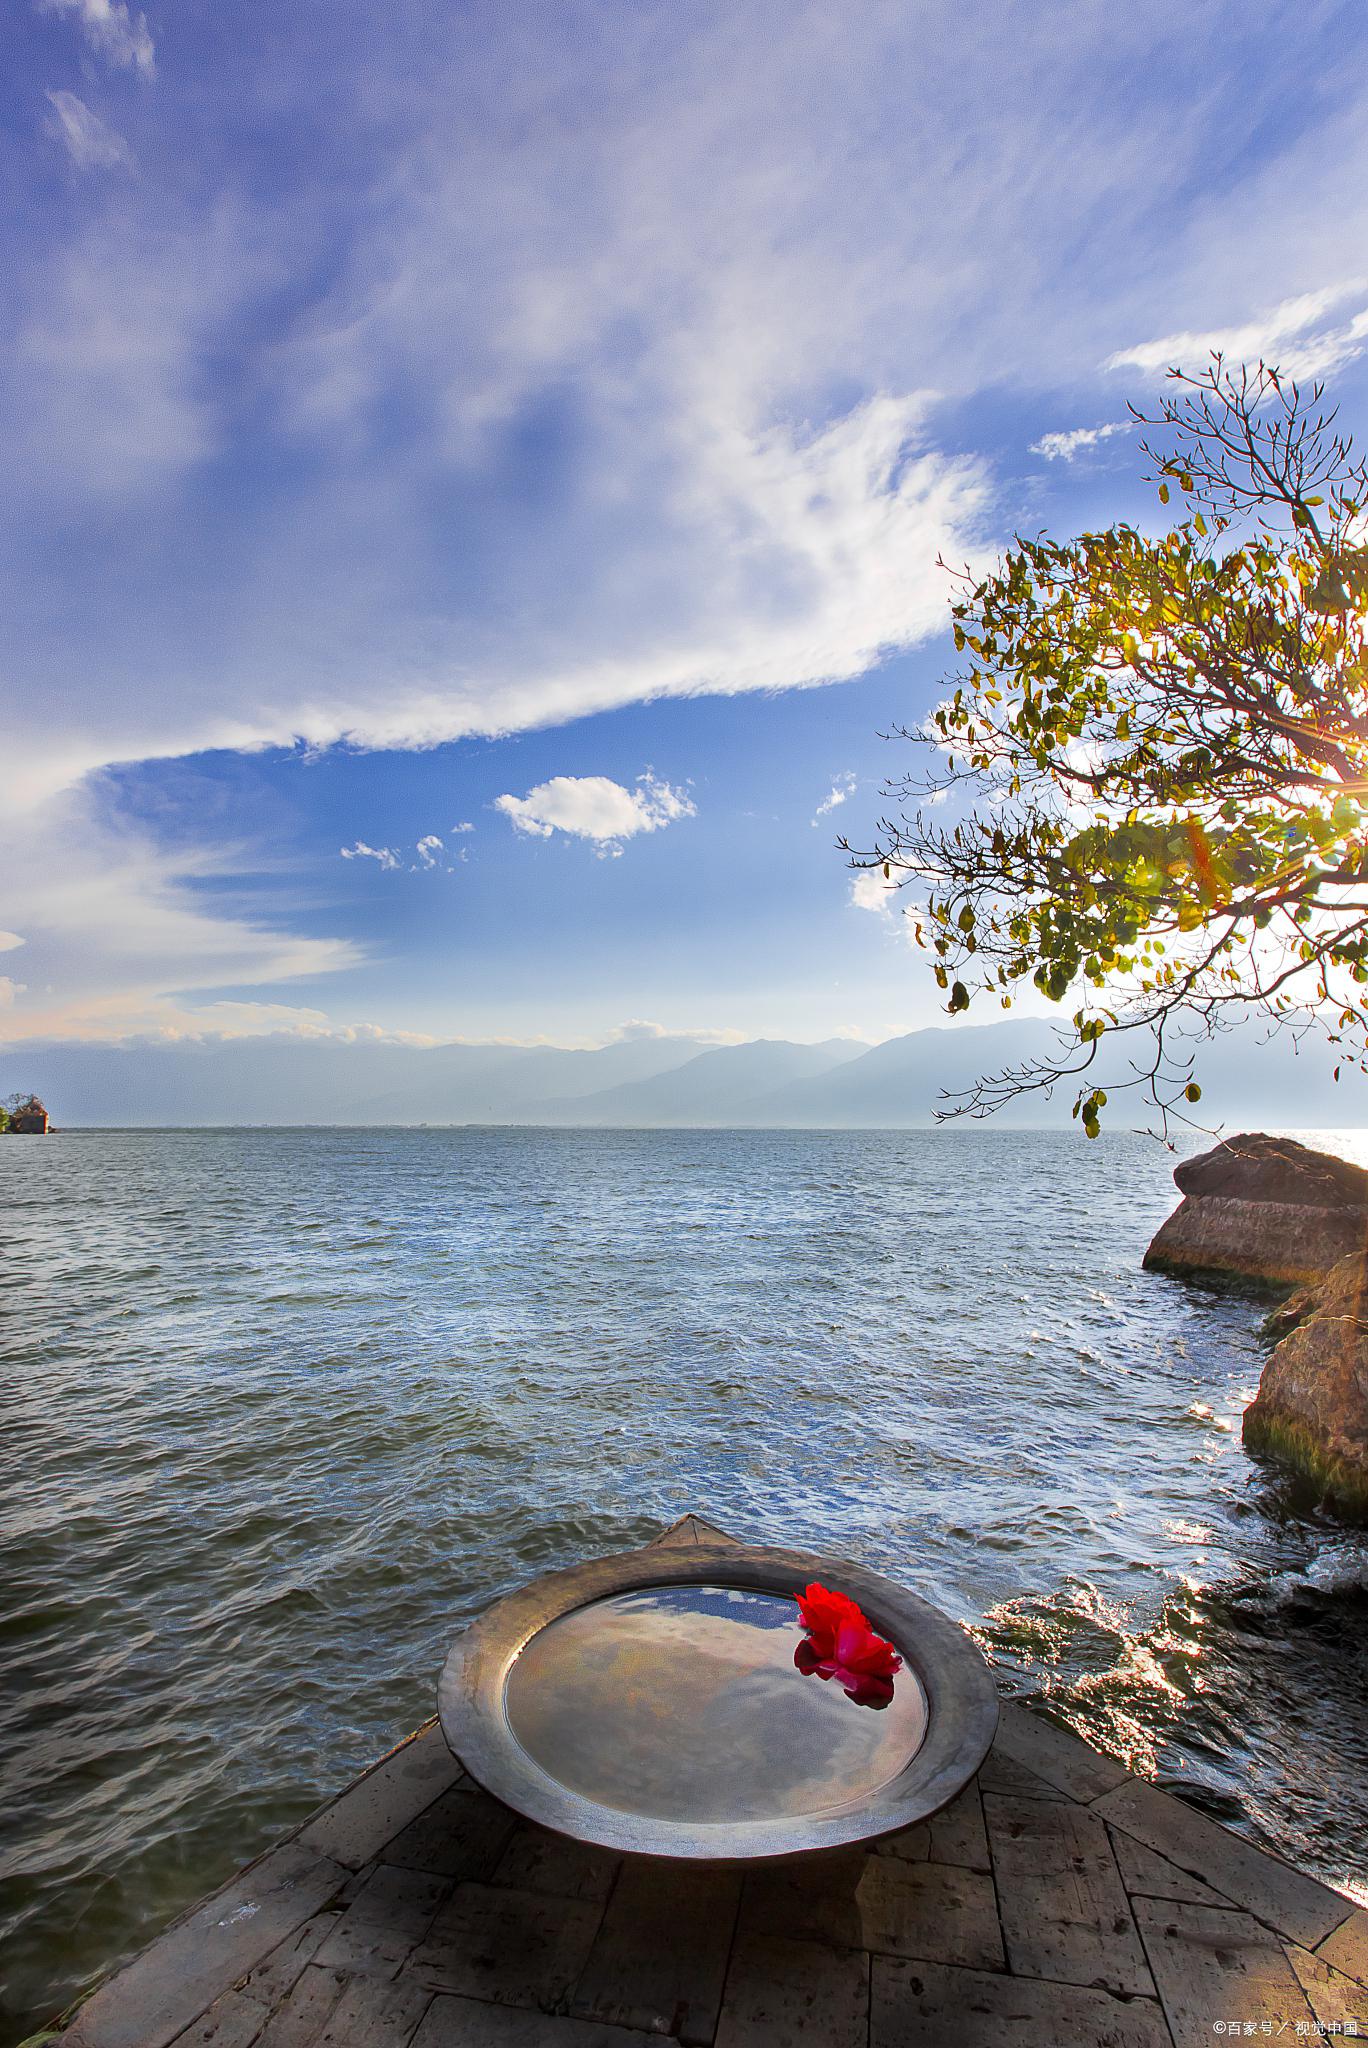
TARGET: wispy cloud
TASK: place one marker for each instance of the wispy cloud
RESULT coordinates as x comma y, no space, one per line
88,141
841,788
596,808
1069,444
430,856
8,941
9,990
121,932
1297,336
385,856
112,31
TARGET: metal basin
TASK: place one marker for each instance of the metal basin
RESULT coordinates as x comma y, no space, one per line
649,1702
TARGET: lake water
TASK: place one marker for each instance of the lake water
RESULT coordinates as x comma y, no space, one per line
283,1409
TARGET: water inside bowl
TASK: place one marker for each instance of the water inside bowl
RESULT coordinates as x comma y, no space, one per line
683,1703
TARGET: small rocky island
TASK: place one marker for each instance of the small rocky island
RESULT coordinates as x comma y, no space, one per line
24,1116
1271,1213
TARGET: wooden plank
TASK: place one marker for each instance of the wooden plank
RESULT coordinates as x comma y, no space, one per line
386,1920
298,2022
687,1533
814,1899
1287,1899
1336,2000
1064,1909
236,2019
954,1835
1347,1947
781,1991
465,2023
233,2021
535,1860
929,1910
1214,1966
375,2012
1064,1761
661,1953
1147,1874
162,1991
461,1836
513,1948
886,1903
370,1813
915,2003
1001,1773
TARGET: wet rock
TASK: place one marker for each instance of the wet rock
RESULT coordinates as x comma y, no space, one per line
1311,1409
1266,1210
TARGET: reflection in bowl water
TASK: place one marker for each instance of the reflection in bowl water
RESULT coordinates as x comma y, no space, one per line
683,1703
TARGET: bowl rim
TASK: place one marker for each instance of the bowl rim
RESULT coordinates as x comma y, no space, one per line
961,1700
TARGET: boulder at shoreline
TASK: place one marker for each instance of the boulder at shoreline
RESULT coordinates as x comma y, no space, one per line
1263,1209
1312,1405
1271,1212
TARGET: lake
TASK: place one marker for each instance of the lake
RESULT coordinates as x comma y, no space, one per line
282,1409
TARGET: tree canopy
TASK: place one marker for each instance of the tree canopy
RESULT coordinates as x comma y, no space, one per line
1147,795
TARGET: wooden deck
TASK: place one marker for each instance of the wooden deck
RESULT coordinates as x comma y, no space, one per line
1059,1901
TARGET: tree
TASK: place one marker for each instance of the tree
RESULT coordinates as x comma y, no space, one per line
1152,792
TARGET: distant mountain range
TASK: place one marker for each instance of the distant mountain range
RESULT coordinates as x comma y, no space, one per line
635,1083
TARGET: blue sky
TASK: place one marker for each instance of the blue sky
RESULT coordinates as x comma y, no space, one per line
545,421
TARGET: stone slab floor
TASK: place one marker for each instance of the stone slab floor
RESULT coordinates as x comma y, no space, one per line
1057,1901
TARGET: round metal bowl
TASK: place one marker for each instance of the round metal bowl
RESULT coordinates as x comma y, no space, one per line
650,1703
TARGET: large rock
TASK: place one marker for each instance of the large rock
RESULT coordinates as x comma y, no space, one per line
1257,1168
1263,1209
1312,1405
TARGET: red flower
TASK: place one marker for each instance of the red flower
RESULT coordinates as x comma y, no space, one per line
840,1644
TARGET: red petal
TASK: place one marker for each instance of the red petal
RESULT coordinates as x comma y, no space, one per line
823,1613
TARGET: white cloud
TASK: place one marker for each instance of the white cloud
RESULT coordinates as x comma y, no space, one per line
870,891
89,142
594,807
113,32
428,849
1295,337
645,1027
1066,446
8,941
9,990
841,788
466,827
387,856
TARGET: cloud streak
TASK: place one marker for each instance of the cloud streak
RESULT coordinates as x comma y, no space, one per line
88,141
113,32
842,788
1297,337
1068,445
